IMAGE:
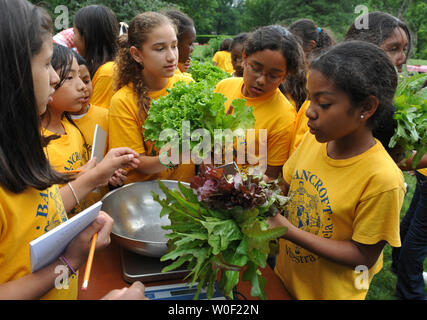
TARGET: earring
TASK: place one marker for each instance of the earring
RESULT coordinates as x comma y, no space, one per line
362,116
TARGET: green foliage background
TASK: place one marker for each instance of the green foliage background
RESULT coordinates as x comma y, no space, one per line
229,17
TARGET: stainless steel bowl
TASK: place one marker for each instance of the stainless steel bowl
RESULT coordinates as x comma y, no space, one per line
137,222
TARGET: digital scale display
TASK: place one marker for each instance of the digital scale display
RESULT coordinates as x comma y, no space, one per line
179,291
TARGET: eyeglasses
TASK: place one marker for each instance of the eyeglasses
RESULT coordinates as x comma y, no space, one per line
258,72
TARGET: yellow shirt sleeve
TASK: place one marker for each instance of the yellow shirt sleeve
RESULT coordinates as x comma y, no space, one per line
102,83
377,218
125,125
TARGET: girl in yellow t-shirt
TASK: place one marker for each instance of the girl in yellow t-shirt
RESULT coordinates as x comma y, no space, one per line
30,201
67,150
270,55
222,58
346,191
86,120
147,61
95,36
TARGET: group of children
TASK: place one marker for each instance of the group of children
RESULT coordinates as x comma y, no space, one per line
324,108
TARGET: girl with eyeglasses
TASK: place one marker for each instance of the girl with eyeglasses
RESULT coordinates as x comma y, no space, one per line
270,55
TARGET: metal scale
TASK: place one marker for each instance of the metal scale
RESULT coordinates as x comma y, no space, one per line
137,267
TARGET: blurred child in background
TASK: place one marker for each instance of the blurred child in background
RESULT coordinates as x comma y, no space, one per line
95,36
236,50
222,58
186,37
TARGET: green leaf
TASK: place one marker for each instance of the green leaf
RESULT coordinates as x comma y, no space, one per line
253,275
221,233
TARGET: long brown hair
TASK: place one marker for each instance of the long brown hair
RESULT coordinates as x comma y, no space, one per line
23,162
129,70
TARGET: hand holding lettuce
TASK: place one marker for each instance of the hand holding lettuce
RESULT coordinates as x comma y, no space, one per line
218,226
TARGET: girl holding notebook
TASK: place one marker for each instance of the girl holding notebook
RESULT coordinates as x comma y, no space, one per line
31,202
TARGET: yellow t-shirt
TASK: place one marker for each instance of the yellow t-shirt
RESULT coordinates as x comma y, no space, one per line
352,199
68,152
87,123
223,61
125,130
300,126
102,83
179,72
273,112
23,218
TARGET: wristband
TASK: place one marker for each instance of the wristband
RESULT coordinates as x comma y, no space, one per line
170,165
74,193
67,264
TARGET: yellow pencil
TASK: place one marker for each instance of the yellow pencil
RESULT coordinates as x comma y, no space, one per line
89,262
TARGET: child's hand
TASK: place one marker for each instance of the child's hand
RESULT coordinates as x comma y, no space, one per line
78,250
278,221
89,165
118,158
119,178
135,292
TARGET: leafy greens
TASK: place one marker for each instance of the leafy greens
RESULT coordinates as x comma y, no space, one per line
197,103
411,116
219,229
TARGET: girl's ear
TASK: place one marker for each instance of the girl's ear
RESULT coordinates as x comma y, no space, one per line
136,54
369,107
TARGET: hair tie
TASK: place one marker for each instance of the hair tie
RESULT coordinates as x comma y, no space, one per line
319,29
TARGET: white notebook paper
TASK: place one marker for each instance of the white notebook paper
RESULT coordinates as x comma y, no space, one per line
99,141
48,247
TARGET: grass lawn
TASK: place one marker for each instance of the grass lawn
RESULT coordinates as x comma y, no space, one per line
416,62
384,283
